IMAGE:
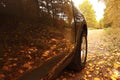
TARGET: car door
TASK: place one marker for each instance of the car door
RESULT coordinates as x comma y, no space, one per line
57,37
39,43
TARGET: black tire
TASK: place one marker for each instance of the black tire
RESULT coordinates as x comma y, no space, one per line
77,63
83,43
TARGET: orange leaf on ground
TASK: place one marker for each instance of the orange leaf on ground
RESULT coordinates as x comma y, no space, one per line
5,68
2,76
21,71
64,79
96,78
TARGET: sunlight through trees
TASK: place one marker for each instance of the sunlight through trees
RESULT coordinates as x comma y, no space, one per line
111,15
87,9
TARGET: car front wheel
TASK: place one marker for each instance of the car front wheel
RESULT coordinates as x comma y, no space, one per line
80,56
83,50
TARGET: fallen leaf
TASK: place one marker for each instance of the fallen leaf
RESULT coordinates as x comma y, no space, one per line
2,76
116,66
5,68
28,65
87,72
46,53
89,75
96,72
53,47
108,69
96,78
71,75
113,78
64,79
21,71
97,68
14,64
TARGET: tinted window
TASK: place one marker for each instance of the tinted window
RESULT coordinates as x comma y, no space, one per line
56,11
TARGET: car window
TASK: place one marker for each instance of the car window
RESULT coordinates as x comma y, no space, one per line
59,14
59,11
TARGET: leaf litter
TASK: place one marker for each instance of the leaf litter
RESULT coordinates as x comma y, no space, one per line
103,62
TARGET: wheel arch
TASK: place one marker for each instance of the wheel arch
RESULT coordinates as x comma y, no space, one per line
85,28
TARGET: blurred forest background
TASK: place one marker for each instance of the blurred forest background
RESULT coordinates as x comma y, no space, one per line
111,14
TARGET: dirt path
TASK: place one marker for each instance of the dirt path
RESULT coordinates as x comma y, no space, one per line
96,41
103,61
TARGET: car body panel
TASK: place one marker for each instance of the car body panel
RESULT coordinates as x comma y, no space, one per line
45,31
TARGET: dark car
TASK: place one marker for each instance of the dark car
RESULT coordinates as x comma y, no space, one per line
39,38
